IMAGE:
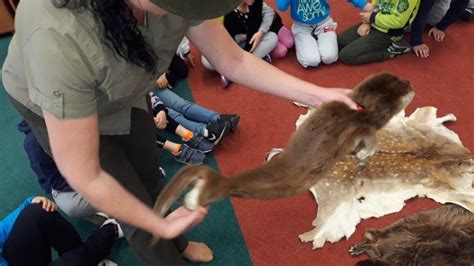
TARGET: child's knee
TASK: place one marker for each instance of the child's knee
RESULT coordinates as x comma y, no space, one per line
329,58
346,56
279,51
310,61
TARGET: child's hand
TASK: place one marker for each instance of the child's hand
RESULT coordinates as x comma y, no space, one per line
421,50
190,59
363,29
162,82
47,205
256,39
365,17
438,35
369,7
160,120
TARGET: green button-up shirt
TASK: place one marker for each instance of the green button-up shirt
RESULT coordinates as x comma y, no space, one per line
58,61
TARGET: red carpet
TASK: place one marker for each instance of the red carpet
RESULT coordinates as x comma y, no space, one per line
270,228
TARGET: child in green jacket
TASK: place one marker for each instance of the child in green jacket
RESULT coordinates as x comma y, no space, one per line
379,36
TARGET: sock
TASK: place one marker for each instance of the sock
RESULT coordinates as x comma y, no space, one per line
176,151
189,134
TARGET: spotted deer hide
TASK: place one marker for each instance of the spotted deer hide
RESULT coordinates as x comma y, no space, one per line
417,156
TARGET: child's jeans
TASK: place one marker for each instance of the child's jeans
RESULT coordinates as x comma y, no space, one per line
187,114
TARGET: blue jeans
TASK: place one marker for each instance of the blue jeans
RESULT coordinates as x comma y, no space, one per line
187,114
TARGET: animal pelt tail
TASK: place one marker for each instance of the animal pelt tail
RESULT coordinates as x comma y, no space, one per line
194,176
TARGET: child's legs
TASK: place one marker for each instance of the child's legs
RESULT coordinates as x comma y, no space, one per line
367,49
189,124
206,63
286,37
307,51
327,41
94,249
348,36
34,233
268,43
188,109
73,204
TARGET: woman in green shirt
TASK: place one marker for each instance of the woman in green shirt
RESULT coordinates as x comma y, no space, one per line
78,71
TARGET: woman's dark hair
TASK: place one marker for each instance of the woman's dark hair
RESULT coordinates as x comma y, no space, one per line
120,29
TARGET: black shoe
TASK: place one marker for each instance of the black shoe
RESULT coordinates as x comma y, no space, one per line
399,48
216,130
232,119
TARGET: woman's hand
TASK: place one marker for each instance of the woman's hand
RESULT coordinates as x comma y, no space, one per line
162,82
335,94
179,221
363,29
256,39
438,35
47,204
160,120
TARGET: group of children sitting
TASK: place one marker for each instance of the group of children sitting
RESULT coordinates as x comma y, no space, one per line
258,29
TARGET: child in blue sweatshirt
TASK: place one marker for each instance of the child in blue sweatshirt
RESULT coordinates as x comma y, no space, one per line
314,30
28,233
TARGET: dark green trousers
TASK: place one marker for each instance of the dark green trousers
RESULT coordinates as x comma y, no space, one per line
133,160
357,50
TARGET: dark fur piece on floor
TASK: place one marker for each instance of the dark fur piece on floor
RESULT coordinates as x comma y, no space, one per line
444,236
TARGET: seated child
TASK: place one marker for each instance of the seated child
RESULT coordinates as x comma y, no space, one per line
379,36
51,180
440,14
314,30
178,69
192,152
28,233
202,121
258,29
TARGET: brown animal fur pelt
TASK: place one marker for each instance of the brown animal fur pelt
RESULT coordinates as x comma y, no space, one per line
325,138
444,236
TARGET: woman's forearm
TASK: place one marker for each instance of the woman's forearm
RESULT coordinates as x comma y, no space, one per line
77,157
233,62
250,69
107,195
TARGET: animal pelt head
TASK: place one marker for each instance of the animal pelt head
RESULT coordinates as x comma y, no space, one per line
441,237
382,96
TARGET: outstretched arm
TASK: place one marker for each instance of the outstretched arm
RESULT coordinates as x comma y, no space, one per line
242,67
